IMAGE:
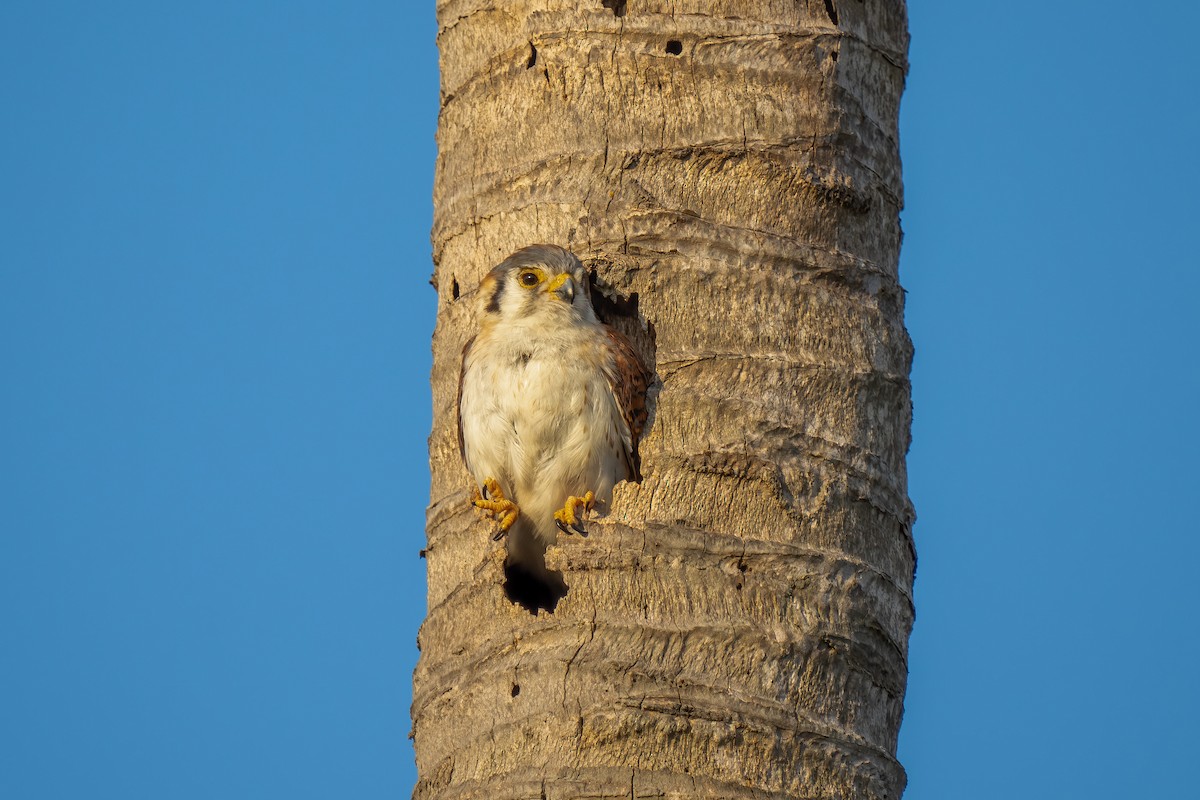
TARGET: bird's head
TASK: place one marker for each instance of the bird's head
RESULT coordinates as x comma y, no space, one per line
539,280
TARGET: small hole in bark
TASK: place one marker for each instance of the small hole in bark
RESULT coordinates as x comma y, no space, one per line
739,586
616,6
532,60
833,55
454,287
742,567
674,47
516,690
831,11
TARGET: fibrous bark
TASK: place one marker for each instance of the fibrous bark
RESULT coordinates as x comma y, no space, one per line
738,626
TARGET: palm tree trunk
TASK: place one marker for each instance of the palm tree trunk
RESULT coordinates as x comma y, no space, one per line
738,626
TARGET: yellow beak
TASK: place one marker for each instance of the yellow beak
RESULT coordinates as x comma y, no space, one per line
562,285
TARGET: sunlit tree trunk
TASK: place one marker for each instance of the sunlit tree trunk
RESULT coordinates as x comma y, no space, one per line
738,626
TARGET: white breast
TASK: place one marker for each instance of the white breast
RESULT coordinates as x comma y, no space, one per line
538,415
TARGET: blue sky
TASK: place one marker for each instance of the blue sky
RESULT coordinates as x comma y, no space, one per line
214,336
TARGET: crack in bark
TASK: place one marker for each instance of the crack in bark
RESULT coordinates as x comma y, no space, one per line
575,655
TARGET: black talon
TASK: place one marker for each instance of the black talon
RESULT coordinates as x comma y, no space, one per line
562,526
500,534
578,528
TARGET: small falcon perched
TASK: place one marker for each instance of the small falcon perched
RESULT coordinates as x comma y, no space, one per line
551,404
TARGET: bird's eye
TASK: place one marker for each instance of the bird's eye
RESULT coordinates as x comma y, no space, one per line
528,278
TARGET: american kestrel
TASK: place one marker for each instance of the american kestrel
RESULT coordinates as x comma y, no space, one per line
551,403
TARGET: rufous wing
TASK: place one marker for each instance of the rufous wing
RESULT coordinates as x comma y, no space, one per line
629,381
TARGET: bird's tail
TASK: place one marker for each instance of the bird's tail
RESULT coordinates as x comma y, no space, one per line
528,581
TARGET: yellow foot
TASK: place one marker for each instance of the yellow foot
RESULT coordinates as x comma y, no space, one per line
496,504
568,517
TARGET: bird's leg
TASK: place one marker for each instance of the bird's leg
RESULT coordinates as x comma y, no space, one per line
568,517
496,504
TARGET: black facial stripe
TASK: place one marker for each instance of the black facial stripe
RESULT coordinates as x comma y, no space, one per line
493,306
